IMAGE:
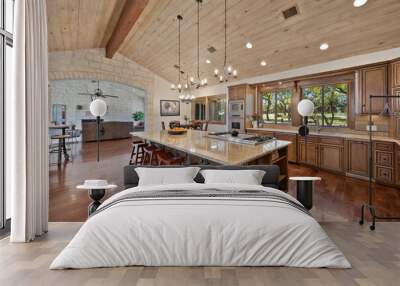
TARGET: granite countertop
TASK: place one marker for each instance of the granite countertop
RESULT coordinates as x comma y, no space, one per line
215,150
333,134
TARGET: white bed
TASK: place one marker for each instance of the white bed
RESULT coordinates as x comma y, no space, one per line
202,231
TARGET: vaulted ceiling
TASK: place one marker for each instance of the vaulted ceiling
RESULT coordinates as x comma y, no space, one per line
283,44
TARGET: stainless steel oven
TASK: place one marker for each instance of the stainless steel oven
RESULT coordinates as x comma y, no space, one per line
236,108
236,115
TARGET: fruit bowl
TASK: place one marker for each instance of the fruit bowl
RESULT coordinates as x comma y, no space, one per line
177,131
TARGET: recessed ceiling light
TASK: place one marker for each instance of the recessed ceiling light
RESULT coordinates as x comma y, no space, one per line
263,63
249,45
359,3
324,46
208,61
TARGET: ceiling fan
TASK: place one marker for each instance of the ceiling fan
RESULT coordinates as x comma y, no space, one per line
97,92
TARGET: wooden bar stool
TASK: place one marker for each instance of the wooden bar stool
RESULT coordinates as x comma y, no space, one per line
166,158
150,155
137,154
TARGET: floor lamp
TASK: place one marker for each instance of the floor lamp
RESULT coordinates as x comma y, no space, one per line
98,108
370,204
305,109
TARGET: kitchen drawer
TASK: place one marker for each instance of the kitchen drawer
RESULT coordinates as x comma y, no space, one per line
310,139
261,132
384,159
384,174
331,140
384,146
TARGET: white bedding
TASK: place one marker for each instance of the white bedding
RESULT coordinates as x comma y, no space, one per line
193,231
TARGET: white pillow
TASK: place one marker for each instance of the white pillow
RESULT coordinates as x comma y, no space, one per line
247,177
166,176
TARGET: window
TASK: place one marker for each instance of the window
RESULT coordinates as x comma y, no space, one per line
7,62
217,109
330,104
277,106
200,111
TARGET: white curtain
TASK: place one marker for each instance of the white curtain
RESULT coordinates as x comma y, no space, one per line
27,121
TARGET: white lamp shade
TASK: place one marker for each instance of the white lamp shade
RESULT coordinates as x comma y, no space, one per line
98,107
305,107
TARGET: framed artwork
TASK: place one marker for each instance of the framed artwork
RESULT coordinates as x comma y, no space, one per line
170,108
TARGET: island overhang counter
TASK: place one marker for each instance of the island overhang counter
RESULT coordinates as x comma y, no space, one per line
215,151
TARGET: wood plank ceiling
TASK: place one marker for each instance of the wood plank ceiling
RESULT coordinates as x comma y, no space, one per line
283,44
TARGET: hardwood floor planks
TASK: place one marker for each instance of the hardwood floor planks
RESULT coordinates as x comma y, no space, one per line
336,198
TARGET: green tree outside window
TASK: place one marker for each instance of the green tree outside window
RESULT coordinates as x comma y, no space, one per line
277,106
330,104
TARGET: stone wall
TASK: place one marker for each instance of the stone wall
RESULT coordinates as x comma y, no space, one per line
92,64
67,92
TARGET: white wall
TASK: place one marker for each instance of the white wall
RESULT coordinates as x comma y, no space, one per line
162,91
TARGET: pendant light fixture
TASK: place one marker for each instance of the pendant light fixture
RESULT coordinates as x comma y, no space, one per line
198,82
227,72
186,93
178,86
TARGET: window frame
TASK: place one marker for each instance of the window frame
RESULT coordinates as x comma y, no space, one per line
216,97
323,84
274,90
6,39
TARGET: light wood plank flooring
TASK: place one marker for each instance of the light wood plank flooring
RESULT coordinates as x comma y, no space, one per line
375,257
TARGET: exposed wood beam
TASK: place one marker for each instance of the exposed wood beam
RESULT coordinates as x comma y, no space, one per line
129,15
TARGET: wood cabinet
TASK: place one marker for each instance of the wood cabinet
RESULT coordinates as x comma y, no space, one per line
395,85
311,155
373,82
395,74
346,156
357,158
238,92
331,154
292,148
397,168
384,163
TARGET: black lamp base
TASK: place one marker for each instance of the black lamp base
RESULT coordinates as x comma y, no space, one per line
96,195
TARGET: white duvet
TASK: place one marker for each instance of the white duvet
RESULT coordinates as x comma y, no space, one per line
211,231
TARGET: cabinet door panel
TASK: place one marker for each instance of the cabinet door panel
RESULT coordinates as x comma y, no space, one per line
398,166
331,157
358,158
384,159
312,153
292,148
383,174
373,82
395,74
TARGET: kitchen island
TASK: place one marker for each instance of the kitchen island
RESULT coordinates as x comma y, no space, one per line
223,152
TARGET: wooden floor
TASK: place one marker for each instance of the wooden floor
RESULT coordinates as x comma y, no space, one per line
336,198
375,258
